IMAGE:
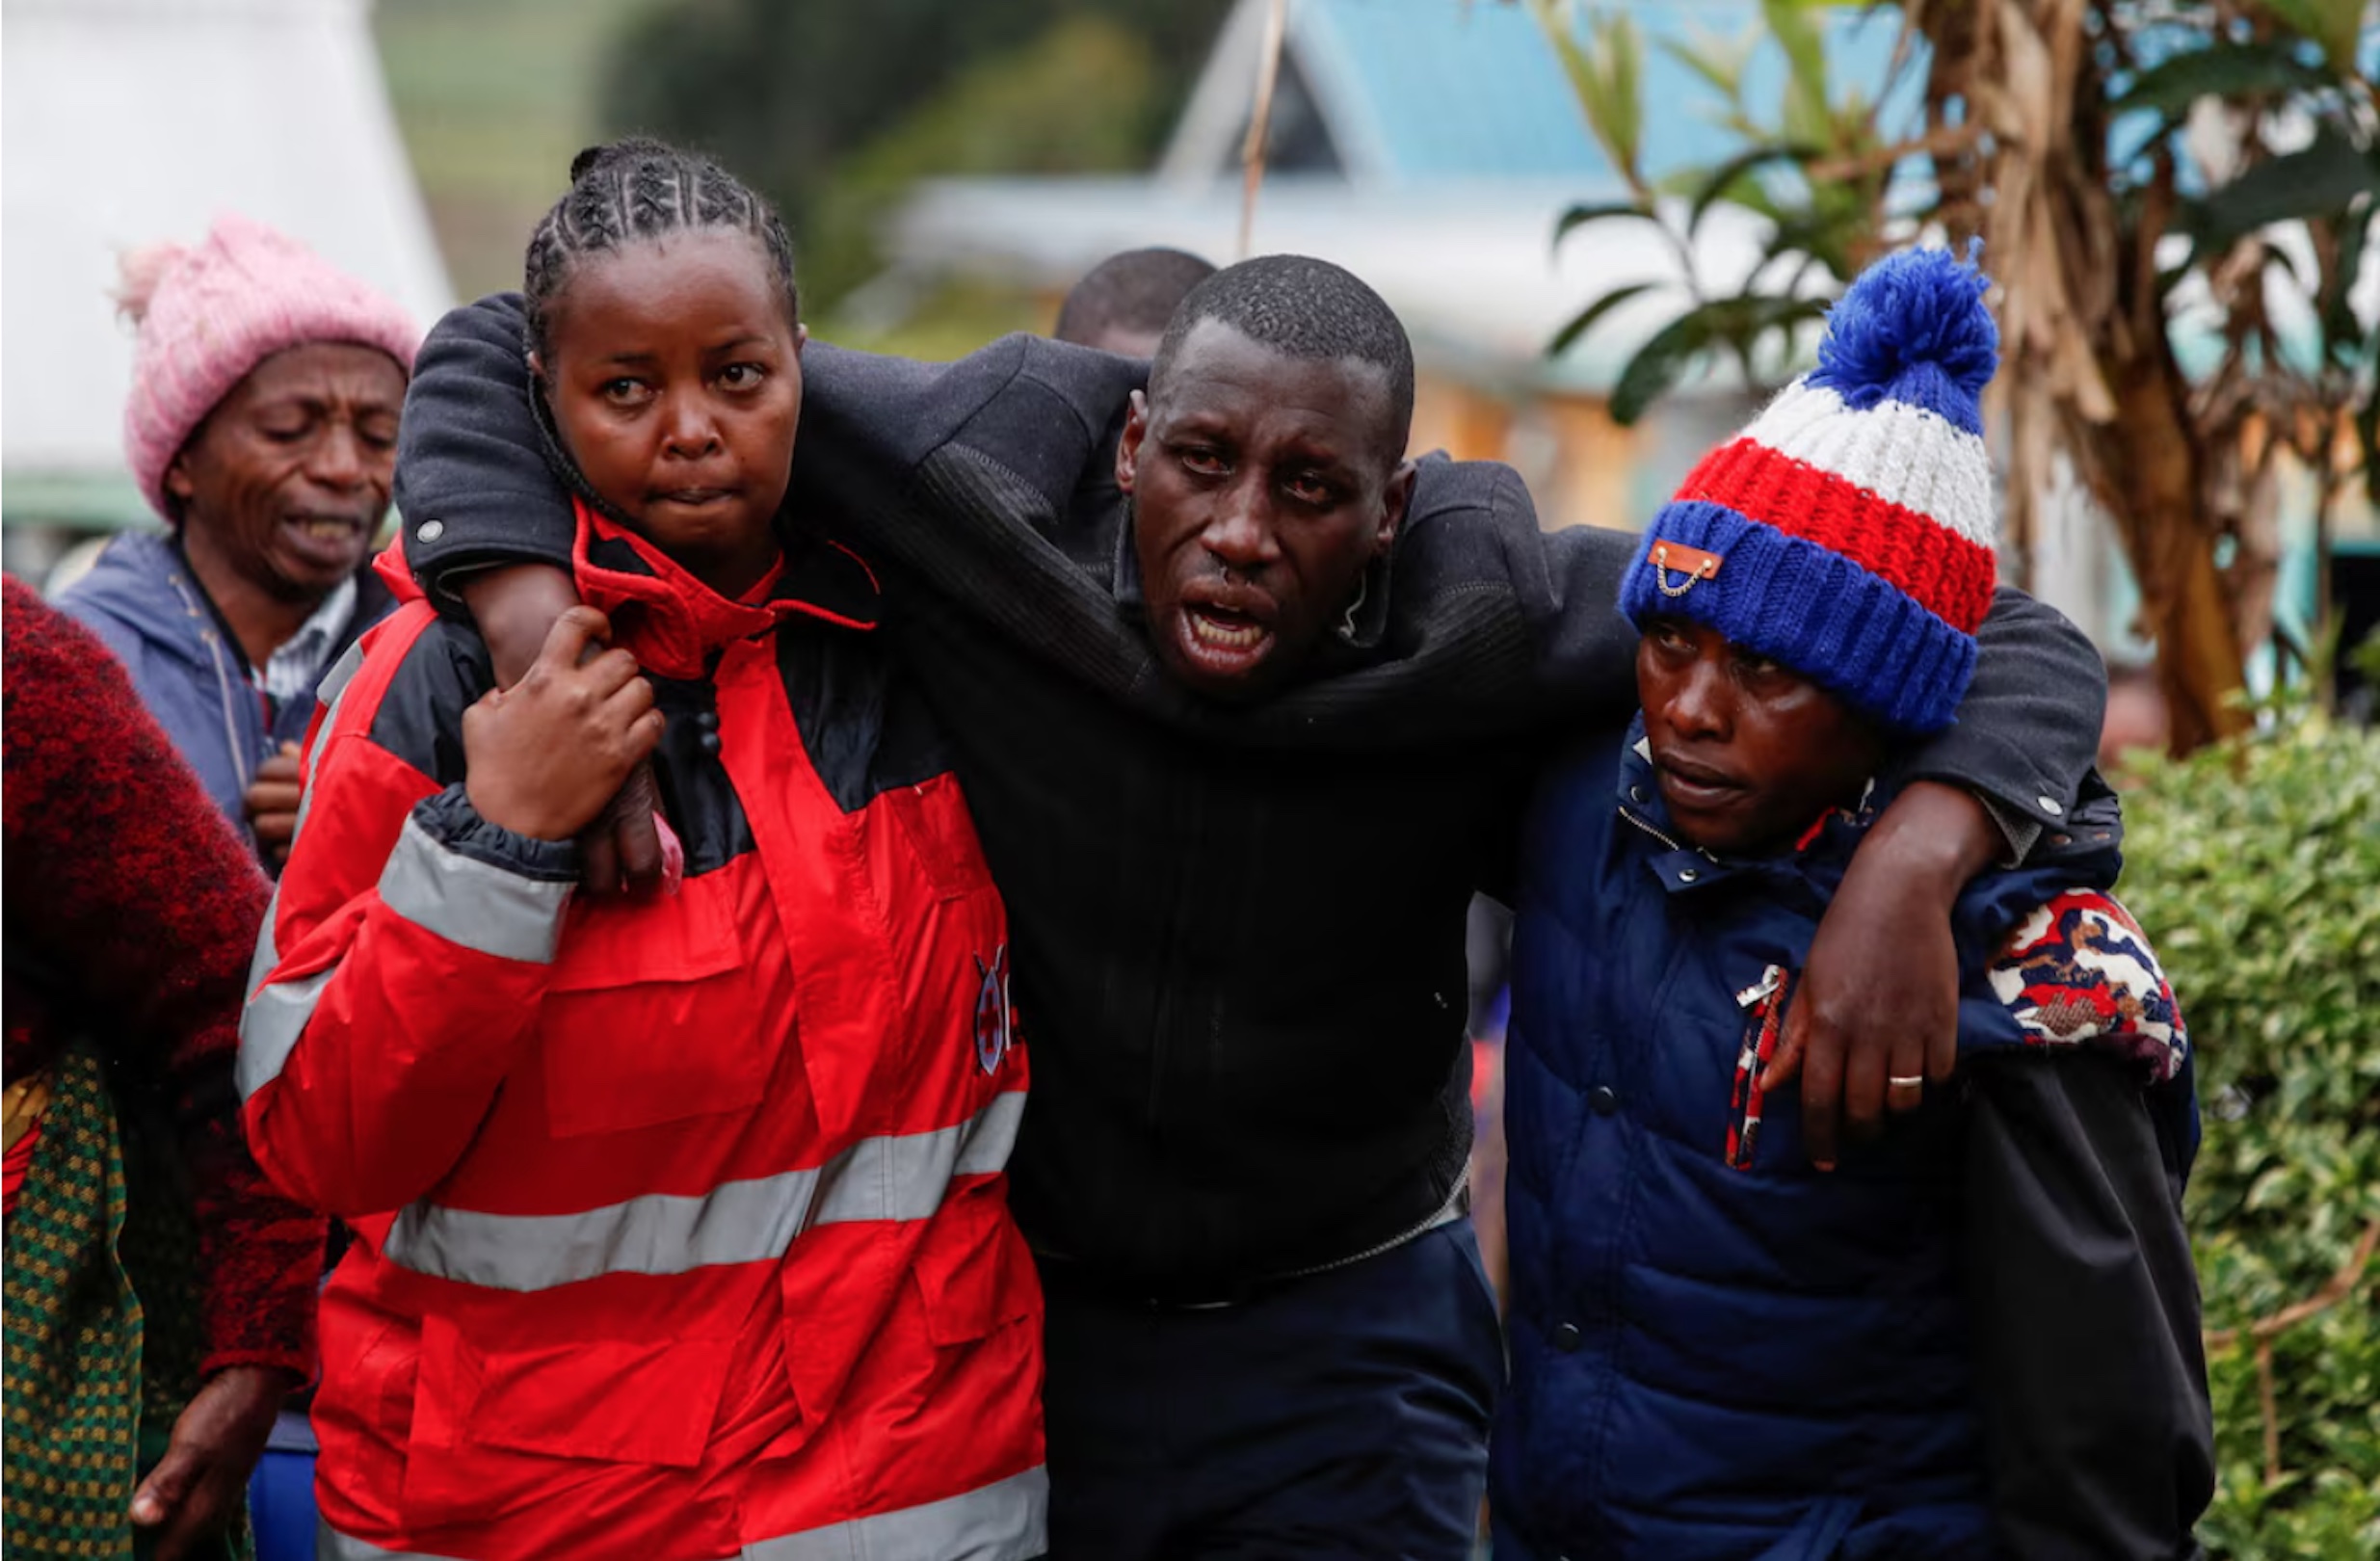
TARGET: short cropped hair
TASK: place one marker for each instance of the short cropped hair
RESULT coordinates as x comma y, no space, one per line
1137,291
1304,308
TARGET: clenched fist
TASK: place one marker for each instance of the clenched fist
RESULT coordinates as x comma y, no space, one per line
544,756
272,804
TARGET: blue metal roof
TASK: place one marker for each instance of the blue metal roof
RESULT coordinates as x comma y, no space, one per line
1415,89
1428,88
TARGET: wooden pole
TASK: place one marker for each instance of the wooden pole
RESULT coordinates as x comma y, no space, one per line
1260,121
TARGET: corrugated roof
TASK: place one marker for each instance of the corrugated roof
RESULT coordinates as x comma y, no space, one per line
1434,88
1424,90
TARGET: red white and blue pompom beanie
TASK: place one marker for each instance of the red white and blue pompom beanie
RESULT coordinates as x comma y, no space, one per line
1847,532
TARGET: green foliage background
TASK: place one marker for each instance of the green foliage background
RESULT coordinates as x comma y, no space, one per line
493,98
2255,867
832,108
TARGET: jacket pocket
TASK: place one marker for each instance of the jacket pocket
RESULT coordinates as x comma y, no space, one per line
647,1018
619,1400
973,1274
933,818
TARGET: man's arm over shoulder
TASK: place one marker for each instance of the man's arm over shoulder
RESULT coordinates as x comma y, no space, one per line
1590,647
2027,731
474,483
925,462
1472,543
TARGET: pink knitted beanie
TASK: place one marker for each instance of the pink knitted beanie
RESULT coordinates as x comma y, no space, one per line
209,315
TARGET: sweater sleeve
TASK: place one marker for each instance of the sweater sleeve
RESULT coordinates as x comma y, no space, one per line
409,947
473,480
130,883
2027,731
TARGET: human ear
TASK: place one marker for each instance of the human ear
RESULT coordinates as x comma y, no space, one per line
800,338
177,480
1395,499
1128,447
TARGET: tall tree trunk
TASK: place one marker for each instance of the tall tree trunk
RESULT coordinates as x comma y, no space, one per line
2168,527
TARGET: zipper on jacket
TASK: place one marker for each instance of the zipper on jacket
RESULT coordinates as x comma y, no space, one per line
1647,826
211,635
1765,1001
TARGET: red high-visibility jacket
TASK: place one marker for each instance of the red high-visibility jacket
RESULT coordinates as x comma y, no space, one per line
682,1227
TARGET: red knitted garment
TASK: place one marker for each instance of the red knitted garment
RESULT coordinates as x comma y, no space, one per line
126,886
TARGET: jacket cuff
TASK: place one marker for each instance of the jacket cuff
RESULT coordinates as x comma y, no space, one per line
2018,832
298,1366
2024,804
478,885
462,539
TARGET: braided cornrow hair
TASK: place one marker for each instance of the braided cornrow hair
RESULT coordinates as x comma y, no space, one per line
639,188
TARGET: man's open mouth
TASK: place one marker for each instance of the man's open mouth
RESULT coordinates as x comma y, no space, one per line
1225,628
327,527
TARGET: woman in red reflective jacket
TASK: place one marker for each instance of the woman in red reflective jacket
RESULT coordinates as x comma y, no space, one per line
682,1227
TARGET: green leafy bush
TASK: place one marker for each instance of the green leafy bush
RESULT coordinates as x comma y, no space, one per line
2256,868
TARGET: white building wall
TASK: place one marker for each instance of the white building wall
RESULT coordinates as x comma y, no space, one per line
125,121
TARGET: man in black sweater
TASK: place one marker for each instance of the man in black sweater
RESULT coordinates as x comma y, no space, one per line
1246,706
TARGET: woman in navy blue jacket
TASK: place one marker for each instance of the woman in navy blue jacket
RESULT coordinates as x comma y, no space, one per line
1977,1335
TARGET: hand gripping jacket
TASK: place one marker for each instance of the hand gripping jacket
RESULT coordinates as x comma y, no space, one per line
682,1224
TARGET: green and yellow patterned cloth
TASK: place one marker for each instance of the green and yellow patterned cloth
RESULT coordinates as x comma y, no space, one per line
93,1381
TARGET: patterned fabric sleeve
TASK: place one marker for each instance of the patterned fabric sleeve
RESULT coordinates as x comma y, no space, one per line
129,882
2080,973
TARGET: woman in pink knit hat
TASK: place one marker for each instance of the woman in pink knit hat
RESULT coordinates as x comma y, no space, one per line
261,426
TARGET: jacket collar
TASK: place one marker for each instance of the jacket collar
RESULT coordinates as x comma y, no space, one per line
672,621
674,625
144,580
139,580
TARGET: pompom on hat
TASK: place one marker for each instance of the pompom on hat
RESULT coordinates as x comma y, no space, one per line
1847,532
207,315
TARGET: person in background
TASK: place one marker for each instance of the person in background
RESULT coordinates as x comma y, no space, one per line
1123,303
262,429
159,1296
1979,1335
681,1221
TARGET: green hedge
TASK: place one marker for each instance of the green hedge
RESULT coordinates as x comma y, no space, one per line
2256,869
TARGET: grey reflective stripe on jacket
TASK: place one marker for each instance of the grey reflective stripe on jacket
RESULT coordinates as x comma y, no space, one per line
895,1177
465,900
329,1544
1005,1520
473,903
333,690
1001,1521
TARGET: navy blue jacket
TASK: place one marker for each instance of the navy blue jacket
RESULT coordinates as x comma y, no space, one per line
1719,1352
143,602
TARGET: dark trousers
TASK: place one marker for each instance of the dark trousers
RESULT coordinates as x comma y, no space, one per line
1342,1414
